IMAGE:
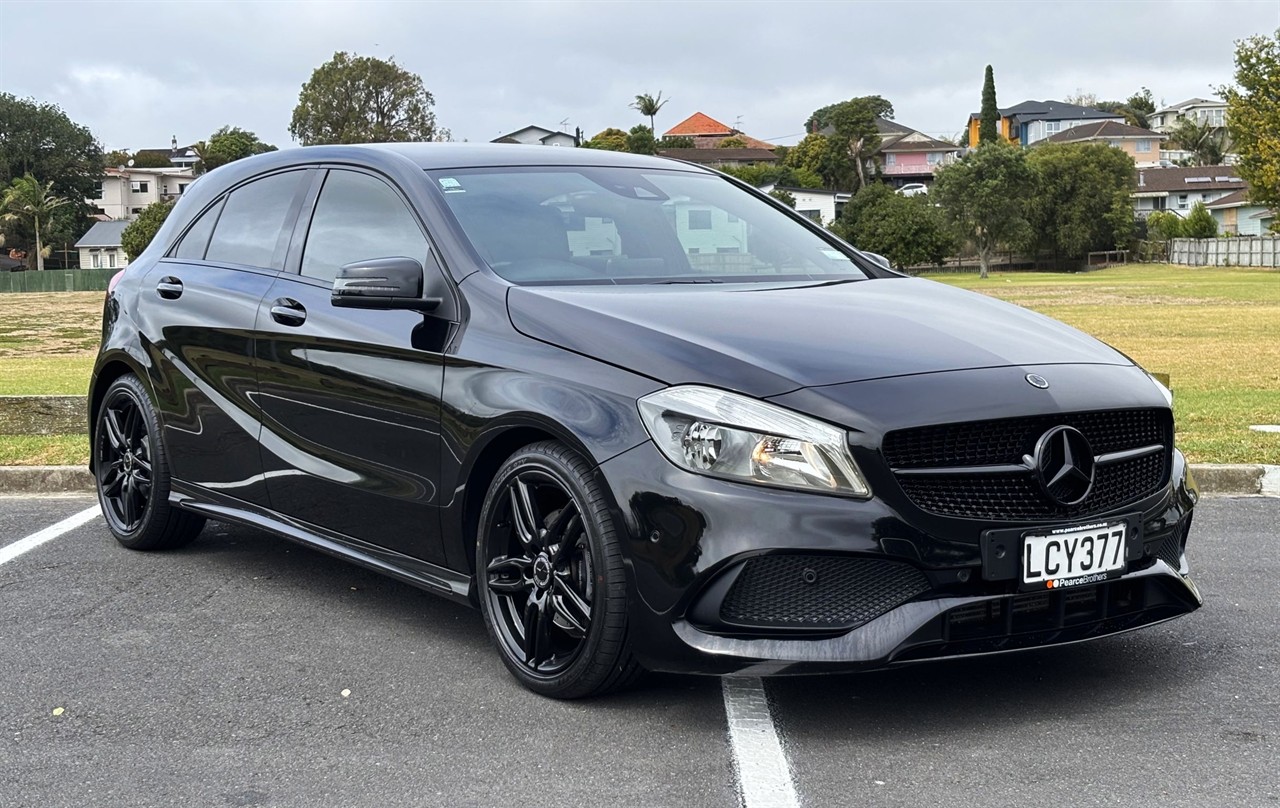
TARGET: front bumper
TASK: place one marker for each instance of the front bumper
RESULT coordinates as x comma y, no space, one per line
687,535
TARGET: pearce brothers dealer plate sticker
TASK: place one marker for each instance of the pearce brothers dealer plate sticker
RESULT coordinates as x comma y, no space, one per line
1072,556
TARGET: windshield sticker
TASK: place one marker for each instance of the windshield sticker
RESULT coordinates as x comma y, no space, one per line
835,255
451,186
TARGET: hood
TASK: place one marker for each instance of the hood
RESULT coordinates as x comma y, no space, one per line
768,340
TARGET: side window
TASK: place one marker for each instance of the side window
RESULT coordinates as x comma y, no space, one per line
252,220
193,244
358,217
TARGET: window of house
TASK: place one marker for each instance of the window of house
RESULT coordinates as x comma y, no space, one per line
252,222
111,260
1052,127
193,244
97,190
1144,146
182,187
139,187
1182,200
359,217
134,211
95,260
814,215
934,158
699,220
1115,144
890,159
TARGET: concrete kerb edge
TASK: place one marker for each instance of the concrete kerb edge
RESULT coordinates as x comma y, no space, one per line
1241,479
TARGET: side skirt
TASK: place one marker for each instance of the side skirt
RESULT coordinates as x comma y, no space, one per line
425,575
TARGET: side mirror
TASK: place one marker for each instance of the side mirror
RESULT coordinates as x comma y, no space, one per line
877,258
382,283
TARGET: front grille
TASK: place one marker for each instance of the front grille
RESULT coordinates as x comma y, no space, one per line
819,591
1008,495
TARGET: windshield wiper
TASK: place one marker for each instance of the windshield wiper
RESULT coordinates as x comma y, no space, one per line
688,280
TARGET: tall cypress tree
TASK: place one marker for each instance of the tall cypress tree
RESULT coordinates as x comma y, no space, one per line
989,129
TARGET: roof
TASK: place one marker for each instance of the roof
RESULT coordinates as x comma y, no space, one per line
1193,102
1235,199
103,234
1192,178
714,156
912,143
1049,111
1100,130
699,124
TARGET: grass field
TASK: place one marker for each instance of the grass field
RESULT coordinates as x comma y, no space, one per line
1216,332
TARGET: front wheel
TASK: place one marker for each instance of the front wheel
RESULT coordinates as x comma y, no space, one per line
550,576
132,472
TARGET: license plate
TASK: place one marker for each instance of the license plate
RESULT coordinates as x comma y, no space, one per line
1073,556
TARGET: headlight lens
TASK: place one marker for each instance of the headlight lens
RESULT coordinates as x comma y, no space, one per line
727,435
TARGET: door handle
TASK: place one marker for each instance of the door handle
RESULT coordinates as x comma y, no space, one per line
169,287
287,311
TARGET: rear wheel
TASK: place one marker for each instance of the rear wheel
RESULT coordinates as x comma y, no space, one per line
550,576
132,472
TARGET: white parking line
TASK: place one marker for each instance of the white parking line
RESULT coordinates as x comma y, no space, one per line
11,551
764,776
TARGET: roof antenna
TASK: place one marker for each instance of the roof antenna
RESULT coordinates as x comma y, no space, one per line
563,124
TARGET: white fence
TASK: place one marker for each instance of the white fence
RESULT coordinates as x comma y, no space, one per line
1263,251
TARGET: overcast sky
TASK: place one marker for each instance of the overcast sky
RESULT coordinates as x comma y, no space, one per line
137,73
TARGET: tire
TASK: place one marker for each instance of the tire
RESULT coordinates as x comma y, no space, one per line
550,577
132,472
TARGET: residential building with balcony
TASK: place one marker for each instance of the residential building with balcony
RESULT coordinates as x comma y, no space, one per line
1032,121
1178,189
124,192
1200,110
906,155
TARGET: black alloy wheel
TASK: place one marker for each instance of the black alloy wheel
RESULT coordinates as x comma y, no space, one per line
550,576
132,475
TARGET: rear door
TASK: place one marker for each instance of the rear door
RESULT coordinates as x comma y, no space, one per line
201,324
351,397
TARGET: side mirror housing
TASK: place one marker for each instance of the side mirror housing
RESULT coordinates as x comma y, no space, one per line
382,283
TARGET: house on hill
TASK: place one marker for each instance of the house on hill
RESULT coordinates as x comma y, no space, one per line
1025,123
539,136
1143,145
707,133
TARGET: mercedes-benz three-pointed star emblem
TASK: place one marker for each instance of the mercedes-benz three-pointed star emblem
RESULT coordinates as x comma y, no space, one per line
1064,464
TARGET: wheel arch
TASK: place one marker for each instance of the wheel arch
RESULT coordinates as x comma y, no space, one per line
111,367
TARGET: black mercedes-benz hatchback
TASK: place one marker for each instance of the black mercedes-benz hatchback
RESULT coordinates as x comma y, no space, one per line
642,415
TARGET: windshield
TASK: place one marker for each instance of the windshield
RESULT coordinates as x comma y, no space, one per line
623,225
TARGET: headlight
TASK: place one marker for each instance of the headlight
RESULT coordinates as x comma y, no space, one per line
738,438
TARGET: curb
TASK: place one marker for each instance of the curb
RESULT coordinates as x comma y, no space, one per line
1237,479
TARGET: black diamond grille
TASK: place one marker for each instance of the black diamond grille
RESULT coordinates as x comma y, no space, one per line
816,591
1017,495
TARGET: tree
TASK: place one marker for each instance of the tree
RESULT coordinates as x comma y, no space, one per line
152,159
27,199
1081,199
822,118
908,230
135,238
732,142
989,126
1253,116
361,99
640,140
610,139
760,174
856,133
984,198
676,142
1164,225
784,196
228,144
1199,223
649,106
816,156
1082,99
1206,142
116,158
40,140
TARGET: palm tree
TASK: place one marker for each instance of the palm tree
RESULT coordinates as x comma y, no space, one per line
648,106
1206,142
25,198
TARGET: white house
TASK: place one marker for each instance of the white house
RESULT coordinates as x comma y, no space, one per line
124,192
820,205
537,136
183,157
1198,109
100,247
1178,189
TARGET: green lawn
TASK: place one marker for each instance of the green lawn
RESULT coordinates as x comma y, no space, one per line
1215,331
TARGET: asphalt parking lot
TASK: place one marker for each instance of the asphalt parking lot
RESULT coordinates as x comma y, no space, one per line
245,670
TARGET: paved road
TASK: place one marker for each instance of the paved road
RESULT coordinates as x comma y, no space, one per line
216,676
